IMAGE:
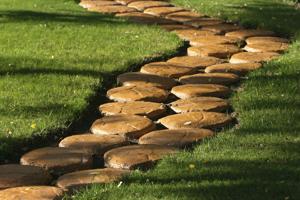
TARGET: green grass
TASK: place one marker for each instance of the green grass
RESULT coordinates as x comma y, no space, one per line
54,59
258,159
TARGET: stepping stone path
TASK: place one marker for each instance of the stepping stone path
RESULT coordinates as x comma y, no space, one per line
220,53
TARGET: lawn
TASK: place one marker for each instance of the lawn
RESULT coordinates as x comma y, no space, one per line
55,61
257,159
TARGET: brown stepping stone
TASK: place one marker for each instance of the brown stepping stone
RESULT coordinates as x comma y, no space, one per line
143,18
191,34
89,4
221,28
176,138
245,33
198,90
126,2
197,62
148,109
219,51
196,120
14,175
212,40
142,79
249,57
210,78
204,22
167,69
278,47
184,16
58,160
136,156
79,179
175,27
112,9
137,93
94,144
258,40
196,104
32,193
239,69
128,126
142,5
162,11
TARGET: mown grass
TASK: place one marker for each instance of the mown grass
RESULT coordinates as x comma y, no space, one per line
54,59
259,158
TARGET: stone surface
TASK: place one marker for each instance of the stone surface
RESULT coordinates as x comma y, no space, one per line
94,144
204,22
143,18
14,175
278,47
258,40
197,62
142,5
239,69
219,51
176,138
191,34
167,69
32,193
210,78
91,3
196,120
142,79
137,93
221,28
58,160
128,126
79,179
136,156
162,11
149,109
199,90
126,2
175,27
112,9
184,16
196,104
249,57
212,40
245,33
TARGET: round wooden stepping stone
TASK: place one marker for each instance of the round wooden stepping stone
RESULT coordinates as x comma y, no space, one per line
197,62
219,51
175,27
184,16
142,79
178,138
94,144
258,40
278,47
143,18
249,57
137,93
128,126
210,78
239,69
162,11
91,3
58,160
212,40
204,22
142,5
14,175
191,34
196,104
167,69
79,179
32,193
245,33
221,28
196,120
198,90
136,156
112,9
148,109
